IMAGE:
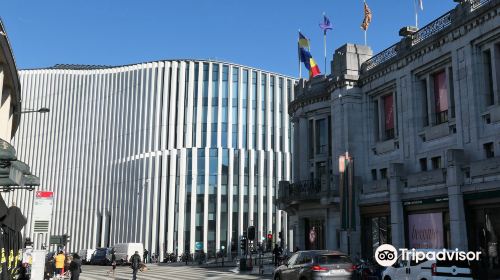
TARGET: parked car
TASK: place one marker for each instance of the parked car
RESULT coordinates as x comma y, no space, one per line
101,256
317,264
409,269
455,270
427,269
124,251
86,255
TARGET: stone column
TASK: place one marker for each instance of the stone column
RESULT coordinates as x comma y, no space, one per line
397,219
454,181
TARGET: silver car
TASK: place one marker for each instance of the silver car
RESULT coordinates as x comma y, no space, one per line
311,265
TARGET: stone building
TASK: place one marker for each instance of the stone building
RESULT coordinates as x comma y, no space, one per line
421,121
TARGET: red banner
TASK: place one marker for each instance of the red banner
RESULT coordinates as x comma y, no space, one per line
440,92
42,194
389,111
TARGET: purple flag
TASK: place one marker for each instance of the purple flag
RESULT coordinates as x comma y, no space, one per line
325,25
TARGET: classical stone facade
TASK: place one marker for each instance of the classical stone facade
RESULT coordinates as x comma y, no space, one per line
421,121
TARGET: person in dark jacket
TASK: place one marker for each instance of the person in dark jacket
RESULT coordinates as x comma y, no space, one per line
75,267
145,257
135,263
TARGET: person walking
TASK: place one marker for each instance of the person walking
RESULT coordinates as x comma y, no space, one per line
113,263
60,259
135,262
276,253
145,256
75,267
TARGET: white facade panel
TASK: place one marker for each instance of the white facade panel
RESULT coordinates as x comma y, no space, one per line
167,153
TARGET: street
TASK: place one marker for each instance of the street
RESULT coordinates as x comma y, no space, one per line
162,272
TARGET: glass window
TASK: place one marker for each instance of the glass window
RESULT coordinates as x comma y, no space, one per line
321,136
293,259
389,116
225,77
236,71
440,97
488,76
205,80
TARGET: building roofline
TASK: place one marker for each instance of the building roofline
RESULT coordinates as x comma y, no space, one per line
104,67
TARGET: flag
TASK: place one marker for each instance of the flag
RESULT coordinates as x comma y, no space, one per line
367,19
309,63
326,25
421,4
303,41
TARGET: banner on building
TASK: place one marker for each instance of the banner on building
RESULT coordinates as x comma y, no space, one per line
425,231
346,192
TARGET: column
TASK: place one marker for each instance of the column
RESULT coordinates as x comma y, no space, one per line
397,219
454,179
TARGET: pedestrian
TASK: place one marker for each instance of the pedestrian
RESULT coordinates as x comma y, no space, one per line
276,253
145,256
113,263
135,262
75,267
49,269
60,259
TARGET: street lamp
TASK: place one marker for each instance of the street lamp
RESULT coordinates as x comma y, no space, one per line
42,110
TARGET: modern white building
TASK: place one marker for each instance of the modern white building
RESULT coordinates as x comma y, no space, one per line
168,153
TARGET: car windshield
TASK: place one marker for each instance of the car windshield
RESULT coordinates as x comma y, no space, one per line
332,259
100,253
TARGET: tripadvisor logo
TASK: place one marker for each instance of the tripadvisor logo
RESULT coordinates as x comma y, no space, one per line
387,255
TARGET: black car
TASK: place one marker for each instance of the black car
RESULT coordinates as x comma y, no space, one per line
101,256
311,265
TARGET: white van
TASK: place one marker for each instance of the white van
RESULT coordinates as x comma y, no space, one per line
86,255
423,270
124,251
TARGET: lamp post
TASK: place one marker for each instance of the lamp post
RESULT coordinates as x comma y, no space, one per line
41,110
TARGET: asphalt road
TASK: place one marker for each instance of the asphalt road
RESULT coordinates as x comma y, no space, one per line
162,272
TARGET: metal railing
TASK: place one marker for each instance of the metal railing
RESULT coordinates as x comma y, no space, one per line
306,190
432,28
381,57
476,4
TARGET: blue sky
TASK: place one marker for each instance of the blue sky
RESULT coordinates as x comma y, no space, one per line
258,33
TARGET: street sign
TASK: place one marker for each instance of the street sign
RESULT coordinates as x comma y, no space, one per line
42,211
58,240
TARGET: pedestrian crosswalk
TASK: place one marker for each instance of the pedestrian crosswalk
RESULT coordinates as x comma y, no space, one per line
156,272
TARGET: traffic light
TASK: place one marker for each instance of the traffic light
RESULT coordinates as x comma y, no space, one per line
280,235
243,243
251,233
65,239
269,241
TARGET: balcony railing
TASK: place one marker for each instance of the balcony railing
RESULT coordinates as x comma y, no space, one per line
306,190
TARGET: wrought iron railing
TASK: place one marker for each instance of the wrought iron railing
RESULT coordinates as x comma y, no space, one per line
432,28
382,57
427,31
306,190
476,4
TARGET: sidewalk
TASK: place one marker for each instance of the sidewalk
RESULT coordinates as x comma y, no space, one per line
266,270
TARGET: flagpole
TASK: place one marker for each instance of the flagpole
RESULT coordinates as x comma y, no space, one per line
324,42
366,43
416,12
298,52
